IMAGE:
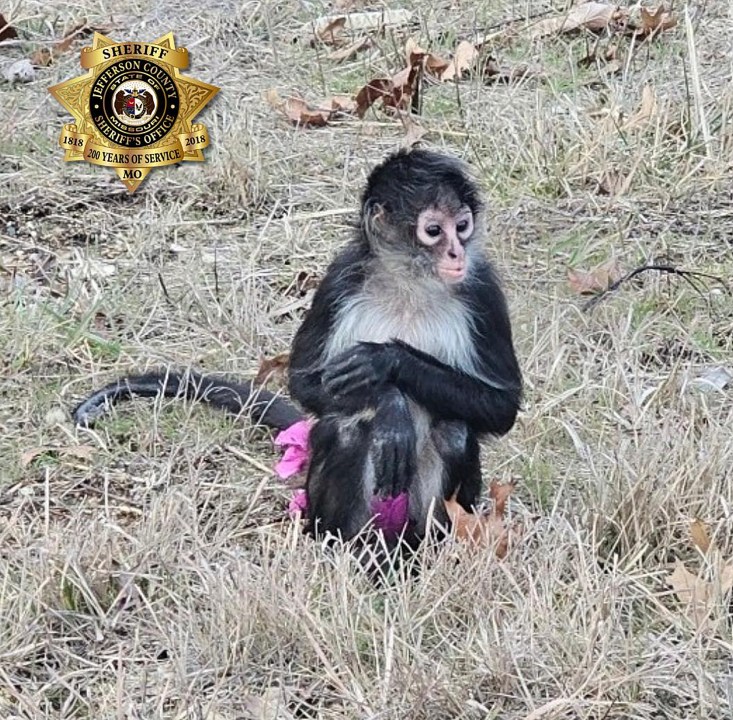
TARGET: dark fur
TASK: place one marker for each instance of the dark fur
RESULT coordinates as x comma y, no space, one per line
236,398
462,406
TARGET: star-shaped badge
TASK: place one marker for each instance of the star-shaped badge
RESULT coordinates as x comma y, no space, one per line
133,109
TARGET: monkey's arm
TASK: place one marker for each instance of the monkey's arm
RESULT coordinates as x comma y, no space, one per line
488,400
344,276
487,396
488,405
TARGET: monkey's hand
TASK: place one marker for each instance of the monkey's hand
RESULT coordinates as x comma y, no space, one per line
393,445
360,370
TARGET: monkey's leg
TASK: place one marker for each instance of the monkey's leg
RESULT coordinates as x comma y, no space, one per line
459,449
338,496
356,459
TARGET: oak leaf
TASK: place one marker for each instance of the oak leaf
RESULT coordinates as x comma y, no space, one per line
646,111
7,31
272,368
698,595
590,282
485,530
700,536
413,133
300,112
656,21
45,56
463,59
590,16
433,64
395,92
332,33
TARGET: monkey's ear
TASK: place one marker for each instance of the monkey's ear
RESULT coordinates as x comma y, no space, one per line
373,216
373,209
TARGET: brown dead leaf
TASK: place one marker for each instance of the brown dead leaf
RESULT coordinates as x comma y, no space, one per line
414,133
300,112
499,493
395,92
433,64
589,16
404,85
590,282
463,60
270,705
646,111
7,31
655,21
274,368
346,53
700,536
698,595
370,93
486,530
45,56
81,452
332,33
344,104
42,57
369,21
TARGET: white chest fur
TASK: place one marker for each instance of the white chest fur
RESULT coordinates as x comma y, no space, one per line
424,315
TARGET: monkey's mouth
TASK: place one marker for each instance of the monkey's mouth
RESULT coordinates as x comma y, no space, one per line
452,275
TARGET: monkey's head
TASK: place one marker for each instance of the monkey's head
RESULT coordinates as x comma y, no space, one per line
422,205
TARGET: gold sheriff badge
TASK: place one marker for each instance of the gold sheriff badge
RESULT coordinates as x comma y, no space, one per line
133,109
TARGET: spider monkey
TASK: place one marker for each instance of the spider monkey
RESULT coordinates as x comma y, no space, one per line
405,358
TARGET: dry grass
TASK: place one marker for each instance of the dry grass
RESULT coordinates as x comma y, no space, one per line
157,576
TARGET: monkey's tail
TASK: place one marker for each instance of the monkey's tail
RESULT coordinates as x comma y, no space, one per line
261,405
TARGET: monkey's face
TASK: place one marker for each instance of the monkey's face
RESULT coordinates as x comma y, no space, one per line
444,233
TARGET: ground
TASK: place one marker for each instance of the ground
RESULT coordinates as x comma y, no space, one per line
149,569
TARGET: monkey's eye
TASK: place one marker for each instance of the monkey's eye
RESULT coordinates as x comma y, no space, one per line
433,230
462,226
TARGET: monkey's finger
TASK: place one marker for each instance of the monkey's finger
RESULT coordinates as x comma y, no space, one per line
409,471
385,469
403,471
340,372
394,467
352,383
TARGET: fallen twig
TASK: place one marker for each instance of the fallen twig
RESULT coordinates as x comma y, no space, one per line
686,275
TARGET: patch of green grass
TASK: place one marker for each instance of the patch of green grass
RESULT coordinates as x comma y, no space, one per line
540,478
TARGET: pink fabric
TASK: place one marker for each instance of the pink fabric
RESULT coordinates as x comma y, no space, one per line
295,441
298,504
390,514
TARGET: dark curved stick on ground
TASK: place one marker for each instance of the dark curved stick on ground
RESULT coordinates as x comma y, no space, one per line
262,406
689,276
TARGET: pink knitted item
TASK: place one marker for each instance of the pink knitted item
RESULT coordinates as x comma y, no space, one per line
295,441
390,514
